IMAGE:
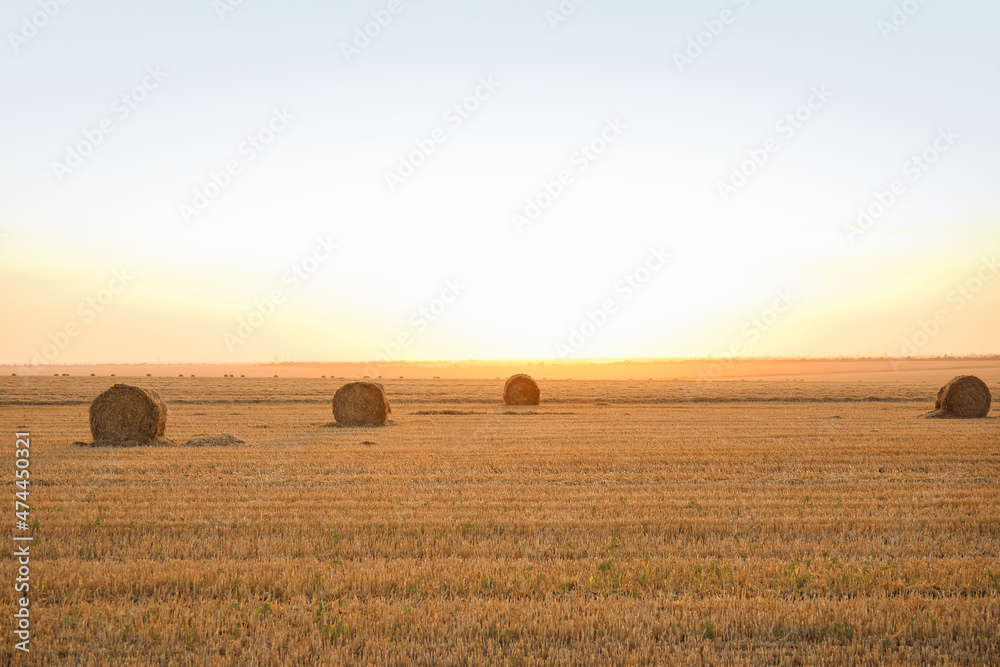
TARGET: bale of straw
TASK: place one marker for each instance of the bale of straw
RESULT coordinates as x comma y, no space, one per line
965,397
520,389
126,415
361,404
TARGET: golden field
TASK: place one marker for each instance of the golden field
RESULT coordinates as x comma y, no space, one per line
619,523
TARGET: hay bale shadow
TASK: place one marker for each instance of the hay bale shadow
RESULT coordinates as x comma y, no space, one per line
127,444
945,414
224,440
201,440
355,428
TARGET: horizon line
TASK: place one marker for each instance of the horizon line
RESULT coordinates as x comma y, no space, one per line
538,361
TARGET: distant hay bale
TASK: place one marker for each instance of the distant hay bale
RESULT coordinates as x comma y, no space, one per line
965,397
520,389
126,415
361,404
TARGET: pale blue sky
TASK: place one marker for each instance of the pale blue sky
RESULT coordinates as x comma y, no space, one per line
656,184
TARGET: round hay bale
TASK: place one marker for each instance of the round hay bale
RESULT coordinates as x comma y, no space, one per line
965,397
521,390
125,415
361,404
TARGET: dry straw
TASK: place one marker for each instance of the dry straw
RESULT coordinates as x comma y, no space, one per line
361,404
521,390
965,397
126,415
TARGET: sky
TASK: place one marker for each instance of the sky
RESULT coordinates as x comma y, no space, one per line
226,181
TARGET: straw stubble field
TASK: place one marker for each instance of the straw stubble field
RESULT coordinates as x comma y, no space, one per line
616,524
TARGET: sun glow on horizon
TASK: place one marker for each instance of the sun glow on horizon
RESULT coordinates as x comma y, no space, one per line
265,195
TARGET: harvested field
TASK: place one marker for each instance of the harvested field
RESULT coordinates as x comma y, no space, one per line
767,522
